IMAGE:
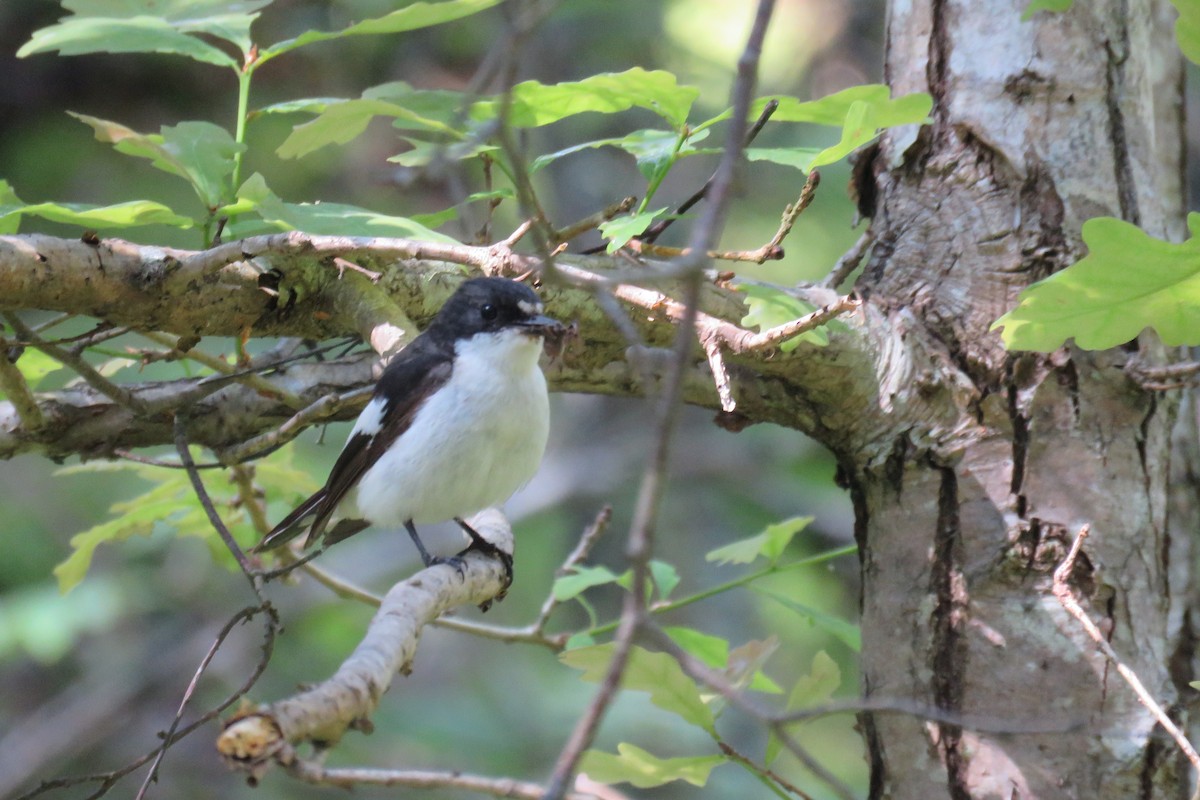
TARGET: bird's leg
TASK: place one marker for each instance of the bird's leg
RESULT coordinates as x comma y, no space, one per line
487,548
430,560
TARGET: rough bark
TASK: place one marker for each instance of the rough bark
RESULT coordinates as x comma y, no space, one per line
1037,127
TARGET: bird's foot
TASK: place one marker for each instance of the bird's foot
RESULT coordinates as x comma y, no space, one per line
482,545
457,562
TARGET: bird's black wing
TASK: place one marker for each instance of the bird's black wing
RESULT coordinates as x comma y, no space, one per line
405,385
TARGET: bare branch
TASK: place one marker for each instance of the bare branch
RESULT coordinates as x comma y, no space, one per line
1062,591
73,360
352,777
324,712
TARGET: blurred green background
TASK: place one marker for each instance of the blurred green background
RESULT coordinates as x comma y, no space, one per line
90,677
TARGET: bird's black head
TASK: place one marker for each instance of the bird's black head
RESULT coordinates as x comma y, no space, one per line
487,305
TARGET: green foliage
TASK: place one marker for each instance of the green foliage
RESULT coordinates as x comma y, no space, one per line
632,764
535,104
770,544
439,125
860,111
621,229
769,307
199,152
171,505
98,27
646,671
1187,28
580,580
410,18
848,633
1129,281
813,689
746,661
337,219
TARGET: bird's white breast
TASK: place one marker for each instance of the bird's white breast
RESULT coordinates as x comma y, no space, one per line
472,444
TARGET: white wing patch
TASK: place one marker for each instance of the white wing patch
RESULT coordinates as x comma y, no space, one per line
370,421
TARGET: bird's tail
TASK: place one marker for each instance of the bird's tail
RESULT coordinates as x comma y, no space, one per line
292,525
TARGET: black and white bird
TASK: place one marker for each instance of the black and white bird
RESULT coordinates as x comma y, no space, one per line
458,422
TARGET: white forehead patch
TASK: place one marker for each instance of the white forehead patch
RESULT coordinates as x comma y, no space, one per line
532,309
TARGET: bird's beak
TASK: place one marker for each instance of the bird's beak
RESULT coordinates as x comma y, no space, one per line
542,325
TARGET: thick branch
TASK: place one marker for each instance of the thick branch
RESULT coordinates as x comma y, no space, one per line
324,712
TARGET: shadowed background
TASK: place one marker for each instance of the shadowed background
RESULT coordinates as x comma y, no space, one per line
89,677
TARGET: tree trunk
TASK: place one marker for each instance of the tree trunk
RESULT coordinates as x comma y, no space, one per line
1037,126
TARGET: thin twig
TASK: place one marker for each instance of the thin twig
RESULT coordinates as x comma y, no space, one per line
351,777
85,370
152,775
250,377
129,455
780,333
14,386
764,772
319,410
640,547
344,264
849,260
109,779
1163,377
185,457
1062,590
654,231
593,221
717,681
757,256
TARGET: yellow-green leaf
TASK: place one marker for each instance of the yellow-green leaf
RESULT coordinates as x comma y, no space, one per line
632,764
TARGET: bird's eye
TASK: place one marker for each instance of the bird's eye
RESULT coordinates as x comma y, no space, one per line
488,312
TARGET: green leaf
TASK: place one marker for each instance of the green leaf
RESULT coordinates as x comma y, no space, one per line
340,121
584,578
136,517
121,215
714,651
665,576
1187,28
335,219
412,17
8,203
810,690
425,153
535,104
580,639
860,111
654,150
847,633
833,109
657,673
35,366
1045,5
620,230
150,26
800,158
1129,281
770,543
634,765
199,152
770,307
